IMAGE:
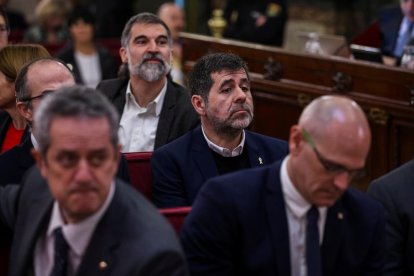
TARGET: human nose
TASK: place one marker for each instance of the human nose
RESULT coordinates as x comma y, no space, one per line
240,95
341,180
83,171
153,46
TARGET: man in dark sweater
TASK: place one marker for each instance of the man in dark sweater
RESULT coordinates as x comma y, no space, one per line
220,88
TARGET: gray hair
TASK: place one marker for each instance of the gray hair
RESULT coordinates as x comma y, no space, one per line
142,18
73,102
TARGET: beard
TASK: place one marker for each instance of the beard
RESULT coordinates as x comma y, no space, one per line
150,71
232,124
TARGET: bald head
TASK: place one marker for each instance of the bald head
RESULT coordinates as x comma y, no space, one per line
335,116
174,17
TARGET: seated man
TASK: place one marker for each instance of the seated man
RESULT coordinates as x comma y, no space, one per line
395,191
296,216
154,110
396,28
71,217
220,89
35,80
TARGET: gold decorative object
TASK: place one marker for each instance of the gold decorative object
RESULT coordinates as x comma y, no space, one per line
342,82
378,115
303,99
217,23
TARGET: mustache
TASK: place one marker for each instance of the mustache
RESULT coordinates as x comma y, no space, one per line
241,107
83,188
153,56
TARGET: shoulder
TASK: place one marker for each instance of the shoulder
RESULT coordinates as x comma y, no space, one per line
142,223
361,206
266,139
397,178
177,145
113,86
179,91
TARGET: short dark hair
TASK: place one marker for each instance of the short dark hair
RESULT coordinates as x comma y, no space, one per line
73,102
81,13
142,18
200,81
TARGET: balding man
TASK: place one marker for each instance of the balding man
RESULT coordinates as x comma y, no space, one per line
297,216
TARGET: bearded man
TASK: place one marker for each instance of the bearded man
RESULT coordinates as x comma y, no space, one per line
154,110
220,87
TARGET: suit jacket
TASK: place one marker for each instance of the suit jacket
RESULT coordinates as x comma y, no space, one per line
180,168
389,22
177,114
395,191
107,63
5,121
238,226
15,162
131,237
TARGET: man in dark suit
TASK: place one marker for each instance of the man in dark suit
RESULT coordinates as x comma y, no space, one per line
395,191
71,216
220,89
35,80
154,110
396,28
296,216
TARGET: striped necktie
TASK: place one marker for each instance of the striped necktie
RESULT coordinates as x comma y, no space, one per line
60,261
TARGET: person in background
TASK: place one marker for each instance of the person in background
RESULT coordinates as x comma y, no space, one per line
256,21
51,18
396,28
154,110
90,63
4,28
12,59
17,22
71,216
174,17
297,216
220,87
395,191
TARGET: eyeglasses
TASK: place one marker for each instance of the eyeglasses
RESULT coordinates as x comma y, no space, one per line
329,166
28,99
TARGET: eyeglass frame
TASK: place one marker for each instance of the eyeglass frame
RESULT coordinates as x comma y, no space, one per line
329,166
29,99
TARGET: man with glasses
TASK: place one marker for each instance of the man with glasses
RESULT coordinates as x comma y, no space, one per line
297,216
34,81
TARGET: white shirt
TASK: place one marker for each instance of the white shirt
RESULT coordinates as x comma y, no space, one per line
138,125
89,68
77,236
223,151
296,209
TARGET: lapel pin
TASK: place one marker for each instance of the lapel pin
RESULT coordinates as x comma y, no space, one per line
260,161
102,265
340,215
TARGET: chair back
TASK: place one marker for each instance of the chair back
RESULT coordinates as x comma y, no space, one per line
176,216
139,169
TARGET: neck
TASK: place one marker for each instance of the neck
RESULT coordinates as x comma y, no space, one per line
86,48
18,120
145,92
229,139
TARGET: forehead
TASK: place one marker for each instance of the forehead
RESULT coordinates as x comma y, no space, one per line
2,21
226,75
148,30
73,133
48,76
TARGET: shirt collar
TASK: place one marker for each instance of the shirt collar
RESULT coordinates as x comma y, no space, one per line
294,200
158,101
78,234
34,142
224,151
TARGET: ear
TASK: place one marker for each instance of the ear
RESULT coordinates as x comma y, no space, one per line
295,140
198,104
25,111
123,54
40,162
